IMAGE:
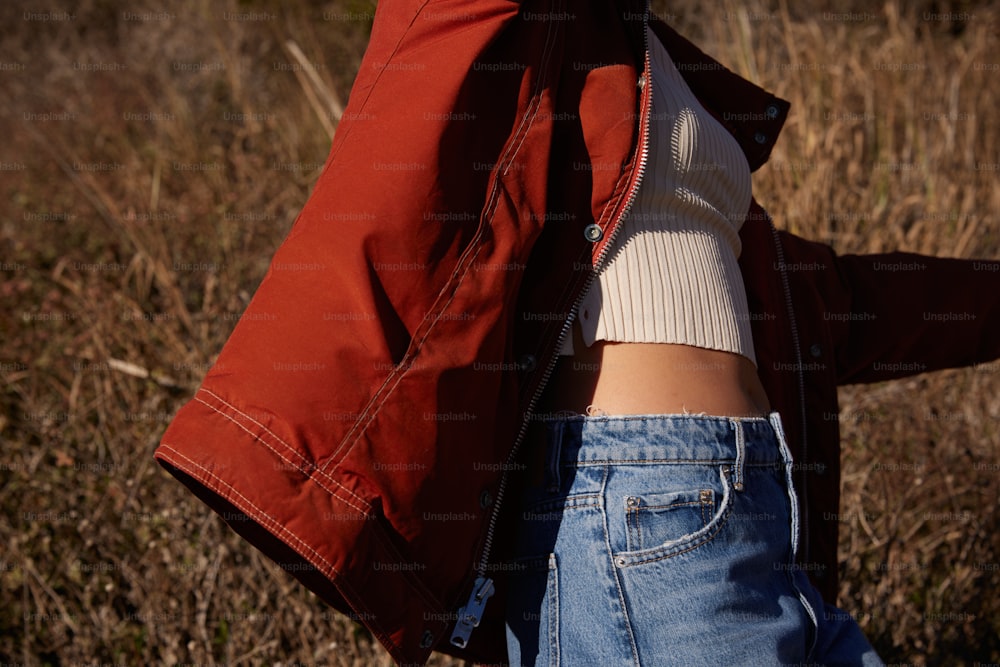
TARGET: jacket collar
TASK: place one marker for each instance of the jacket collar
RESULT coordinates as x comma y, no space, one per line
752,114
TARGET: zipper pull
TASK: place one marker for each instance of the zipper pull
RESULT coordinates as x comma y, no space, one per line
470,615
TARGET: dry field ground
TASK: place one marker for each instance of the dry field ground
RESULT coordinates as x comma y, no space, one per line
154,154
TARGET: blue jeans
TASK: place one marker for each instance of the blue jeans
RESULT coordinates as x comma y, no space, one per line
668,540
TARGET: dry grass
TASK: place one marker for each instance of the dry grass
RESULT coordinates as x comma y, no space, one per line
139,216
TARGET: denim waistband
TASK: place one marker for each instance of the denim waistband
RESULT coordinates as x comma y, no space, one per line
583,439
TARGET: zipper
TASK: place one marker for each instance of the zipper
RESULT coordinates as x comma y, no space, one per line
800,374
471,613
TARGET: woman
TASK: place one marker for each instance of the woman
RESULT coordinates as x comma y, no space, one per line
367,422
664,514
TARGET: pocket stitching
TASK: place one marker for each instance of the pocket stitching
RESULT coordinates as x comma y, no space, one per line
633,514
552,584
689,543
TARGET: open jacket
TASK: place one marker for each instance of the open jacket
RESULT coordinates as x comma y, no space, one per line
362,424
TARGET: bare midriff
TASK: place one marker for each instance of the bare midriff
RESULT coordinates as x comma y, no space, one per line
610,378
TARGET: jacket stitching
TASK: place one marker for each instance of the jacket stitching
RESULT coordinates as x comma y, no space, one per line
527,120
493,199
379,399
272,524
252,434
383,388
306,469
374,81
389,384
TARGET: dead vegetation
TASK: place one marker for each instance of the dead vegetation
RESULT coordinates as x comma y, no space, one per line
155,156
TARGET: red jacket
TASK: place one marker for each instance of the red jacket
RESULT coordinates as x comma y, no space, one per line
361,425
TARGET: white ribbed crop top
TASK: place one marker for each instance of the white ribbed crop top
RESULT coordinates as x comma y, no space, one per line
671,274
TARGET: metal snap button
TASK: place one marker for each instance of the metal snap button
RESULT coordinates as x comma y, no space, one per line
593,232
527,363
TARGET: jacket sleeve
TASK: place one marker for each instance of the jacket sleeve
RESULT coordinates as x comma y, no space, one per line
914,313
370,372
899,314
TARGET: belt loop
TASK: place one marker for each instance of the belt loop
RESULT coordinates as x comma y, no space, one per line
779,432
793,499
555,443
741,453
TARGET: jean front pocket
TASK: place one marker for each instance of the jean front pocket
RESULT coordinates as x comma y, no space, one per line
662,524
655,518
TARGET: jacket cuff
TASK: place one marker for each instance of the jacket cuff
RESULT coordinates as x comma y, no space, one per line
197,448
